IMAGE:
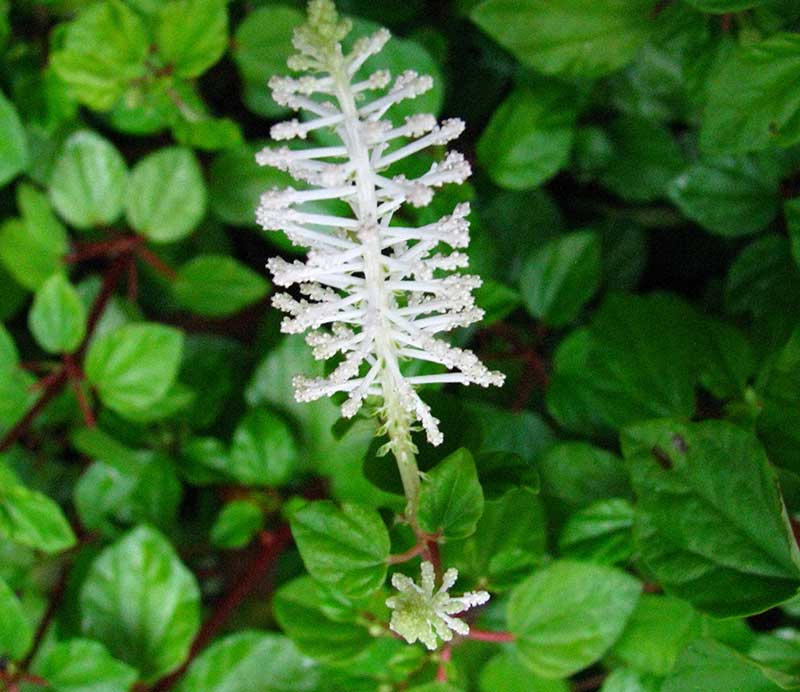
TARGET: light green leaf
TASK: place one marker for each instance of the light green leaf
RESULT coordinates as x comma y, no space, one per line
58,317
568,614
749,106
730,196
218,285
30,518
102,50
236,524
561,276
14,155
451,499
31,248
568,37
77,665
16,633
251,662
709,512
142,603
529,137
134,366
89,181
264,450
166,196
599,533
345,548
508,673
191,35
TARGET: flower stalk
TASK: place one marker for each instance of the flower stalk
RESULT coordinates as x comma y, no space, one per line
374,290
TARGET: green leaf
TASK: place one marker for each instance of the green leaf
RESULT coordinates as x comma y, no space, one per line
166,196
749,106
729,195
58,317
508,673
568,37
191,35
251,662
728,361
217,285
264,450
638,361
627,680
345,548
321,625
236,524
529,137
134,366
451,499
657,632
16,633
31,518
600,533
791,211
561,276
709,512
568,614
80,664
14,155
644,159
89,181
142,603
712,667
262,45
101,52
723,6
31,248
511,537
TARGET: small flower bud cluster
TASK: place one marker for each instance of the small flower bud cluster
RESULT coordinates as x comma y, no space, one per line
374,291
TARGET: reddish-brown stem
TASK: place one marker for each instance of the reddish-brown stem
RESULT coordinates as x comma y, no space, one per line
444,658
588,684
103,248
409,554
272,545
75,375
487,636
133,282
431,554
49,393
156,262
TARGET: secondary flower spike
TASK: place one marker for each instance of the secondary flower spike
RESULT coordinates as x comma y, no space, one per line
374,289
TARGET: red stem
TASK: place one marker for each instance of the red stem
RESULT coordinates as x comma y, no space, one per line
444,659
156,262
487,636
272,545
409,554
75,375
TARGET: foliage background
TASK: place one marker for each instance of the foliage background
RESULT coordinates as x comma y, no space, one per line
637,222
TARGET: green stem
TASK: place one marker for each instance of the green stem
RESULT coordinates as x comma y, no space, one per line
398,428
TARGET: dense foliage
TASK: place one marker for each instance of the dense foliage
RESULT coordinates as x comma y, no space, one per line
170,516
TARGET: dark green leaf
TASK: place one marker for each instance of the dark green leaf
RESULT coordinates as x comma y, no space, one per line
600,533
451,499
530,135
236,524
568,37
729,195
709,512
507,672
264,450
561,276
216,286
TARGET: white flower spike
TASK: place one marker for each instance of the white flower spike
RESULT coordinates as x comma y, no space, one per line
374,291
419,614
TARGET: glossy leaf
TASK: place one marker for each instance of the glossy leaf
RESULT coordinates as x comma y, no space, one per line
58,317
